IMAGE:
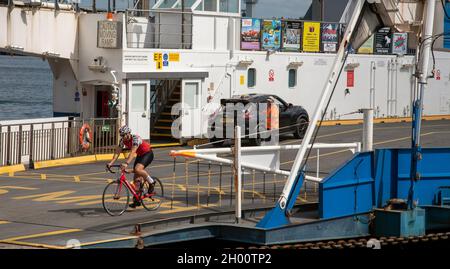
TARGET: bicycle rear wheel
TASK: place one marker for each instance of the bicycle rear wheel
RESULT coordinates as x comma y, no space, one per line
115,199
153,201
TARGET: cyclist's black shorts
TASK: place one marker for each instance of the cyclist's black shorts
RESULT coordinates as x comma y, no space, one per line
145,159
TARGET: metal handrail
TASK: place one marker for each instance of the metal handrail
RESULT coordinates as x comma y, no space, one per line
52,141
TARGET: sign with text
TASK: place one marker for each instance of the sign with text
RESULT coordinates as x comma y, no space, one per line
400,43
367,47
271,35
383,41
330,37
109,34
292,35
311,36
250,34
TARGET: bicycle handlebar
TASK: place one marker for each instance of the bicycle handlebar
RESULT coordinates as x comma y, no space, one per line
116,166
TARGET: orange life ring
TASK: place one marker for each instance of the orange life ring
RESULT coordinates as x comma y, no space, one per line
85,137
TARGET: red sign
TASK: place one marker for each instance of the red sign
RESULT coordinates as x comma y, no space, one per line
350,78
271,75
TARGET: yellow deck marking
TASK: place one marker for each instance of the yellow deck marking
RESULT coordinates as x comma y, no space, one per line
378,143
76,178
59,197
34,245
5,189
41,235
4,222
108,240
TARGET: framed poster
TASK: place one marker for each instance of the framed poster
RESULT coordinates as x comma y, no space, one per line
250,34
271,34
330,37
292,36
400,43
367,47
383,41
311,36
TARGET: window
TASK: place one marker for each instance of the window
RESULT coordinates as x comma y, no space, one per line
187,3
251,77
292,78
167,3
229,6
210,5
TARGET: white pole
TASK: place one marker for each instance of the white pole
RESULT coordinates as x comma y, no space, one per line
238,172
331,80
367,138
425,53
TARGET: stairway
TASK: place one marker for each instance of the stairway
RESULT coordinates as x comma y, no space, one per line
161,127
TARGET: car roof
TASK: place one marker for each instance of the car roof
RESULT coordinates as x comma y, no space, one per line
252,97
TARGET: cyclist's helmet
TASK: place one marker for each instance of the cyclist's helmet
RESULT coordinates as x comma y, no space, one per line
124,130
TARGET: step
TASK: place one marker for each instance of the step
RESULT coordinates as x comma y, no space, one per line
159,134
167,121
163,127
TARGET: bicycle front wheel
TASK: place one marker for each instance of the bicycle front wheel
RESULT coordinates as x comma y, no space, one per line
116,197
152,201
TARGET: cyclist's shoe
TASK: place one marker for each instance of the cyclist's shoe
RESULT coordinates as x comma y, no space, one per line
135,204
151,188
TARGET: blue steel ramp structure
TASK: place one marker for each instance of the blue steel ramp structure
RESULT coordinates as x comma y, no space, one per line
348,200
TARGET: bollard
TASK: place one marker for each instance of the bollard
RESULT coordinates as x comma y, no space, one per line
367,139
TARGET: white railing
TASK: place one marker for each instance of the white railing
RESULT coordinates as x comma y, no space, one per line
211,155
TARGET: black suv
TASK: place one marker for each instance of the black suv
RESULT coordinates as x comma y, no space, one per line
292,119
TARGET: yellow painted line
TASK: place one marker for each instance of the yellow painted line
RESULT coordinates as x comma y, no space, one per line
65,161
378,143
165,145
402,138
382,120
12,169
42,234
43,176
4,222
108,240
28,244
108,157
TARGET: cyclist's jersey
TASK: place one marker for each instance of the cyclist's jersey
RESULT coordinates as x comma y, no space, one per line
136,141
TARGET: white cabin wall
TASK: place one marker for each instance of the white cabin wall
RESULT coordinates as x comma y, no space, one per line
64,88
437,94
88,50
203,37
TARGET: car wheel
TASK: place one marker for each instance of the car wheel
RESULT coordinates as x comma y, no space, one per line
302,126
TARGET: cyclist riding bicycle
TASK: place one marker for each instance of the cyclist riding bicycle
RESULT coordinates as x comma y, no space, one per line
144,157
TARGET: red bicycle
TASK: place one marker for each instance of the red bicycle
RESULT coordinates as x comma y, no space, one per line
116,195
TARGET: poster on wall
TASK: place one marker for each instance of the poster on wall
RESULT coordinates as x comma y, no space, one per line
367,47
383,41
311,36
400,43
447,27
330,37
271,34
292,35
250,34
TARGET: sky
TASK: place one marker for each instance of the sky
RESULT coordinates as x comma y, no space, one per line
263,9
